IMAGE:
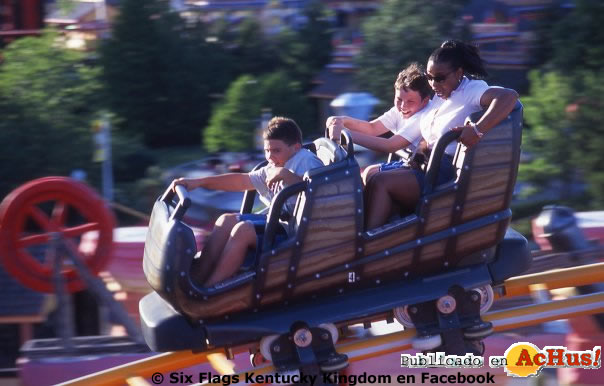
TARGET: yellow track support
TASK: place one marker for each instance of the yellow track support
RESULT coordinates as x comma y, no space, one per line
557,278
161,363
396,342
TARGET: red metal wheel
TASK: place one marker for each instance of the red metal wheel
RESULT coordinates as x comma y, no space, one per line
33,212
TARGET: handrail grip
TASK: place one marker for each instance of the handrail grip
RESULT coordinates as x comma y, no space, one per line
435,158
275,212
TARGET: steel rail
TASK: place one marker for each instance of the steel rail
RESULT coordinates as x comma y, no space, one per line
364,348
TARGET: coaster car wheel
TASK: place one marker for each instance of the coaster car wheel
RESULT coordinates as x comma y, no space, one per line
333,331
487,296
401,314
36,212
479,331
426,343
265,346
257,359
335,362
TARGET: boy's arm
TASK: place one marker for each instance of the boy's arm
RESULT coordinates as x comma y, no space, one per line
389,145
276,174
336,123
230,182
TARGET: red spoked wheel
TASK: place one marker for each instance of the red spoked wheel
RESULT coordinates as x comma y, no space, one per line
53,206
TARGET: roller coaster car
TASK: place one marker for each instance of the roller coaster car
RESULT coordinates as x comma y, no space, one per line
434,270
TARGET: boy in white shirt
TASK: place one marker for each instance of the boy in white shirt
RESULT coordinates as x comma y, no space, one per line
234,234
412,95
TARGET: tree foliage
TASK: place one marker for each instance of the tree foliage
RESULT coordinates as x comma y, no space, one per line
550,128
160,73
252,51
305,51
401,32
234,122
564,109
566,136
284,97
48,98
587,120
576,39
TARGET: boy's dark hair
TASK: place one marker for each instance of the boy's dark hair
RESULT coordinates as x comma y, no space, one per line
459,54
283,129
414,78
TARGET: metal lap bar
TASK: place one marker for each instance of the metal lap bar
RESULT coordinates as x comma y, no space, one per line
276,206
434,163
346,139
183,203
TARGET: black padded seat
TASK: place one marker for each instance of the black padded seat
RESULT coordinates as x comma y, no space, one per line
164,329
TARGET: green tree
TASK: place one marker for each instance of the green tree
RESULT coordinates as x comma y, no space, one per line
305,51
588,155
160,73
545,29
234,122
48,98
253,52
577,39
401,32
564,109
564,113
285,97
550,133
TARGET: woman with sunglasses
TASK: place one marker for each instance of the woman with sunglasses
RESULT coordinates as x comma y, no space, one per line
451,72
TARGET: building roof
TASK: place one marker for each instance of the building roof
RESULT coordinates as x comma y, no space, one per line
240,4
79,10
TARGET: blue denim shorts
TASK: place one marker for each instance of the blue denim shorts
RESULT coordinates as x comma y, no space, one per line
446,171
393,165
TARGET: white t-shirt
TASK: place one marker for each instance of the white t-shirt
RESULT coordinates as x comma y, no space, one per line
445,114
408,128
299,163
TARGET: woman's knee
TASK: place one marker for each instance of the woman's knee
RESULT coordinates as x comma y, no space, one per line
227,220
399,185
369,172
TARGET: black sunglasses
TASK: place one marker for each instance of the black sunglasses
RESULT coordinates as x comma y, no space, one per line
438,78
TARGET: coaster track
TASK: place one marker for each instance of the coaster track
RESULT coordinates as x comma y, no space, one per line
370,347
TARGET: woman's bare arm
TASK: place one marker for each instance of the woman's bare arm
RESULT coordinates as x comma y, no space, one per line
499,103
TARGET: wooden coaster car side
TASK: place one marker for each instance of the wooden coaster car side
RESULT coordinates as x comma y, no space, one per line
331,270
